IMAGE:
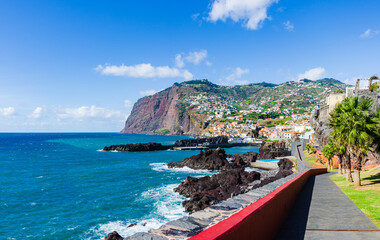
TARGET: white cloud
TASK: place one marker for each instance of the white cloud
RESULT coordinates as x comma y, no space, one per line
289,26
128,103
235,77
90,112
179,61
147,92
251,12
312,74
195,58
8,111
195,16
144,70
369,33
36,113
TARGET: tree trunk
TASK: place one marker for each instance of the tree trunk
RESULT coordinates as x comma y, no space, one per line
344,166
357,181
340,163
348,167
349,176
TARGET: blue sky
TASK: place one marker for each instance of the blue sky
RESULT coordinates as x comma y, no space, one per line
80,65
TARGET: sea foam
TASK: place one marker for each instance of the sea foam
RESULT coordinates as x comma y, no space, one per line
160,167
101,230
167,207
167,202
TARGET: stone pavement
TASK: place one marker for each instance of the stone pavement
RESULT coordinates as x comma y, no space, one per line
323,211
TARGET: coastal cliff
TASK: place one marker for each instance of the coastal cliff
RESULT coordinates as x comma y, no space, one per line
161,114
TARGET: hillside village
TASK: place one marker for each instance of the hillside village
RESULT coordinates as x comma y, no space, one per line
242,112
280,112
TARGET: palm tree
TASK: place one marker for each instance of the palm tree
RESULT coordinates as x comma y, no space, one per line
357,127
328,152
307,148
336,121
338,148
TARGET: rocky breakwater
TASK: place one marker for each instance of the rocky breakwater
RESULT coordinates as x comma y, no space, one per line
151,146
271,150
137,147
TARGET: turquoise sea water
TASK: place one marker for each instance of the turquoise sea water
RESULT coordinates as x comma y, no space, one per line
60,186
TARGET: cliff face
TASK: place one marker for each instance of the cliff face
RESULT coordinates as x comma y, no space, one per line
160,113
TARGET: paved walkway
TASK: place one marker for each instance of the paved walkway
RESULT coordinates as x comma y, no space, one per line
323,211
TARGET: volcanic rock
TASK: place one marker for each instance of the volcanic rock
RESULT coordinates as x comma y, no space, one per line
113,236
206,191
247,157
137,147
210,159
201,141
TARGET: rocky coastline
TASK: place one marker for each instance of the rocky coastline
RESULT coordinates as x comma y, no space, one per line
232,180
208,142
137,147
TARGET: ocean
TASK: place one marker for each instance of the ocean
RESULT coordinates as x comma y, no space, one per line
61,186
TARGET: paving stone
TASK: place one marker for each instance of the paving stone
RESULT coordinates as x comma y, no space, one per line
264,190
182,223
222,208
254,193
244,199
180,233
195,221
231,204
248,197
172,232
145,236
206,214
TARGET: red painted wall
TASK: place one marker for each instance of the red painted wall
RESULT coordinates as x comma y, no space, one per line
263,218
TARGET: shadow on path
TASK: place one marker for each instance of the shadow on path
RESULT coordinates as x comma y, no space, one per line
294,226
323,211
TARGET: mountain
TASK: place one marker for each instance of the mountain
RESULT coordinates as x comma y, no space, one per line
185,108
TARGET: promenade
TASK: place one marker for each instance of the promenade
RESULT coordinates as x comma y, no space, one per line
323,211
